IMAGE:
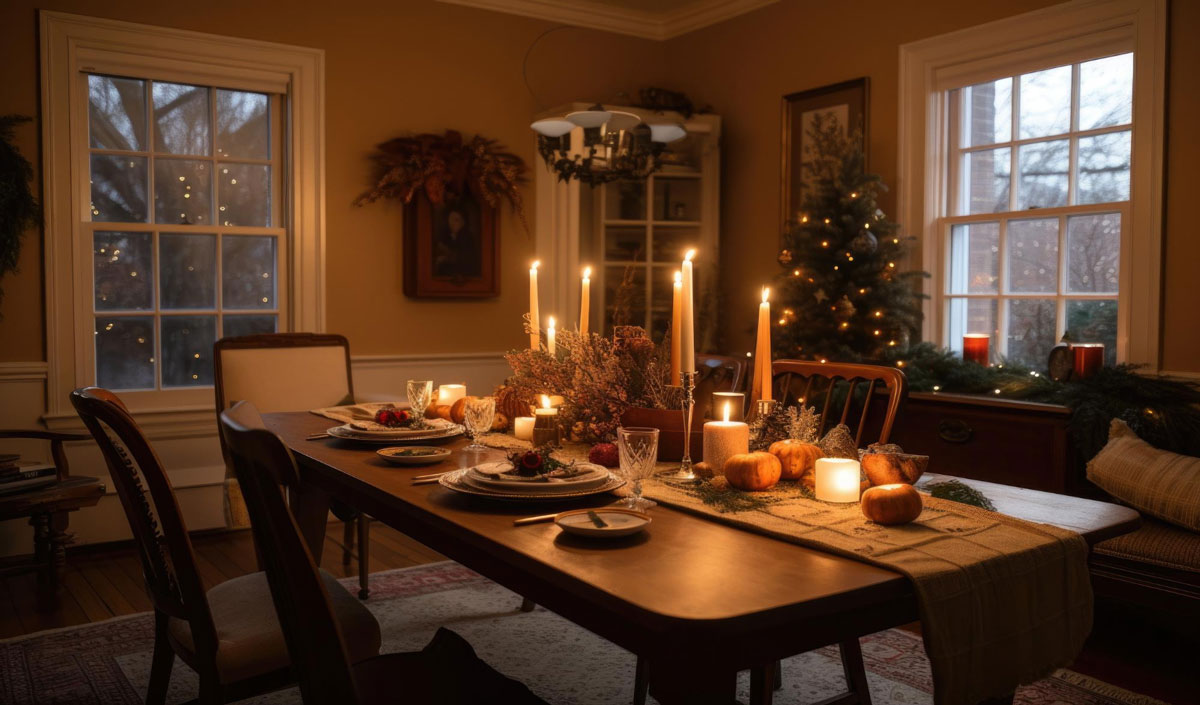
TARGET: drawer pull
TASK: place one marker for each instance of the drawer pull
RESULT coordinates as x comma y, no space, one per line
955,431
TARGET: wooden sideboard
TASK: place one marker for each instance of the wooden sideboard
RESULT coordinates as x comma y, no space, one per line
1018,443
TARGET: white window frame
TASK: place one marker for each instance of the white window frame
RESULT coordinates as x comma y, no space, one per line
1057,35
72,45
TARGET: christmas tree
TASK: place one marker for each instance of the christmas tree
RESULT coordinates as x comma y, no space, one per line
843,295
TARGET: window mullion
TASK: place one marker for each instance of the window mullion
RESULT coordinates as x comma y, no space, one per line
1002,289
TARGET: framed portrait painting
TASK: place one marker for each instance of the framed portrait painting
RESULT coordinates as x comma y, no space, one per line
450,249
846,101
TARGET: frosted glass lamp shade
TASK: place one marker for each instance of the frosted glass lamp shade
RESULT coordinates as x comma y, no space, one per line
552,127
622,121
667,132
590,118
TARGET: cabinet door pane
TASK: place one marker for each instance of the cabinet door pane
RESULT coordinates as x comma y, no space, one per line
676,199
625,243
625,200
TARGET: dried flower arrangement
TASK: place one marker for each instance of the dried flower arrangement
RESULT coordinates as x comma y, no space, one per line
444,167
785,423
598,378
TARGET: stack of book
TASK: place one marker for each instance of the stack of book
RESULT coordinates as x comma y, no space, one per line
18,475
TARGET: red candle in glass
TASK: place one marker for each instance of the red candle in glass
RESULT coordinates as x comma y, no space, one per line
975,347
1089,357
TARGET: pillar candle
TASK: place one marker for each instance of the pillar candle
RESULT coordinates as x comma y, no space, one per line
450,393
975,347
585,301
837,480
545,424
762,353
724,439
550,334
675,332
1089,358
523,428
687,322
534,324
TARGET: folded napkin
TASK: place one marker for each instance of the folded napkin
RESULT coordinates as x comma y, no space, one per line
362,415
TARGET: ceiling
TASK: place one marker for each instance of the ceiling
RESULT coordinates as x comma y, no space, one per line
649,19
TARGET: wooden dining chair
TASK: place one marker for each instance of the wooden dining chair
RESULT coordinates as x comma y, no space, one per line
446,671
292,372
230,634
862,397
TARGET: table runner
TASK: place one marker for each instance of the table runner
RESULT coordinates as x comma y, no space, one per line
1002,601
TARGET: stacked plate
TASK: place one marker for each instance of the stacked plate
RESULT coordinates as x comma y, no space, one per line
436,430
498,481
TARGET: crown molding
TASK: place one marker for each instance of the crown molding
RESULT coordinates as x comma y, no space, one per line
637,23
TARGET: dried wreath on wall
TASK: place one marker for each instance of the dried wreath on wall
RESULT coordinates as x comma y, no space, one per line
18,206
445,167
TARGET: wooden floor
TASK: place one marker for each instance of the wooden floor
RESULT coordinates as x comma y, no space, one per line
100,583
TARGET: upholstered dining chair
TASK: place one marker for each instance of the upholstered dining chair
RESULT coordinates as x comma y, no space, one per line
230,634
291,372
446,671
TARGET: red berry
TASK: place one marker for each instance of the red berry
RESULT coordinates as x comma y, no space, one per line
604,454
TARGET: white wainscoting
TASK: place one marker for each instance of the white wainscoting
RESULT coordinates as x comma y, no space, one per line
185,439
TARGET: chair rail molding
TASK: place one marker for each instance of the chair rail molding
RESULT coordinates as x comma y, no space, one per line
21,371
74,44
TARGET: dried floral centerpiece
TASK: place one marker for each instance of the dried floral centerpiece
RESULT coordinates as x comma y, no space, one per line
598,377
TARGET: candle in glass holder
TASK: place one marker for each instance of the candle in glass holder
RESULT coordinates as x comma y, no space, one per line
523,428
450,393
837,480
975,347
1089,358
724,439
545,424
736,402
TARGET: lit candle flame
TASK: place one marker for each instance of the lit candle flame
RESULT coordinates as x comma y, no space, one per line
536,263
552,321
766,293
587,272
679,277
545,402
690,254
726,412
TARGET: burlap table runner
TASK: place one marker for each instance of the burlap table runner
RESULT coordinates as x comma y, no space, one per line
1002,601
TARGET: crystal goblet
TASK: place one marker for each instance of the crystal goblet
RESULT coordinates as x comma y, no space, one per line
478,415
637,449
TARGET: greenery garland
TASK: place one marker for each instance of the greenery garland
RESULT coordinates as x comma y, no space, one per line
1164,412
18,207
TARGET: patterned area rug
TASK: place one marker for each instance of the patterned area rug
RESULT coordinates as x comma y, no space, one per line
109,662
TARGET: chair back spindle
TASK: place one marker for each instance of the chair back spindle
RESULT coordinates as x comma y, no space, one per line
849,390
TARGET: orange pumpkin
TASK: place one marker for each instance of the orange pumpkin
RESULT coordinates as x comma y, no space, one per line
890,468
499,422
431,411
891,504
443,412
753,472
797,458
458,411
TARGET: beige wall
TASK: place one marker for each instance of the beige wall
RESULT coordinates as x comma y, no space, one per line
401,65
744,66
392,66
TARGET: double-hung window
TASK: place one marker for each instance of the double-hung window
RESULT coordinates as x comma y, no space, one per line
184,194
1031,155
1039,194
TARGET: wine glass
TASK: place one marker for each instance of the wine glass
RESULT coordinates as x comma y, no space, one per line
637,448
420,392
478,415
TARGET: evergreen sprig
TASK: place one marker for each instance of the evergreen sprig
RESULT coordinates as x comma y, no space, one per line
19,209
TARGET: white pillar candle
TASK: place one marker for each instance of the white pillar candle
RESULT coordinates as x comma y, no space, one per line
676,302
837,480
450,393
550,334
762,351
534,324
723,440
585,301
523,428
687,322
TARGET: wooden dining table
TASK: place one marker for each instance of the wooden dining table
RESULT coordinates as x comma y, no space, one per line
697,600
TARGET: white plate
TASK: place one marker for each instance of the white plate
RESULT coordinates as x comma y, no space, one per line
621,522
352,435
455,480
435,426
396,455
534,487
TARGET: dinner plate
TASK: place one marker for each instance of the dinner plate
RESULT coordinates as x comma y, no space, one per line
482,478
413,455
455,480
433,426
620,522
345,434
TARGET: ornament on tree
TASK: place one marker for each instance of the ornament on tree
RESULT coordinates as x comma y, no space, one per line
820,295
845,308
785,257
864,243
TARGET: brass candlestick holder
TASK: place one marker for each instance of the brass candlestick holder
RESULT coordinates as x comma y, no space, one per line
685,472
